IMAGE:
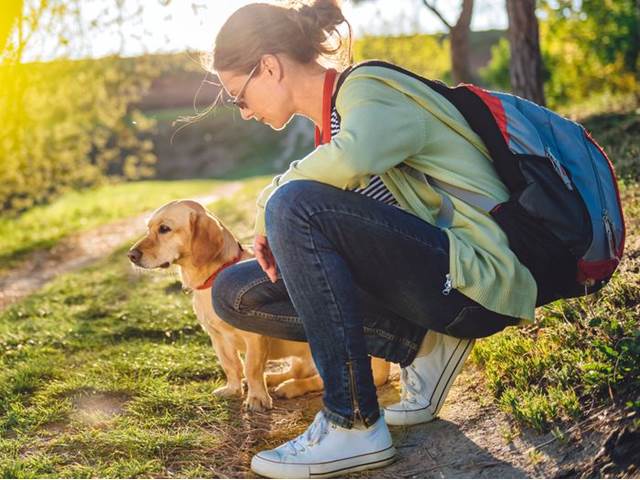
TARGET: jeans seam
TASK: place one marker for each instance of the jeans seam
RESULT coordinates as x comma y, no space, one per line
379,224
335,305
243,291
271,316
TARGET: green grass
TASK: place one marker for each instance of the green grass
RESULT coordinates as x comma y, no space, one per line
42,227
619,135
106,373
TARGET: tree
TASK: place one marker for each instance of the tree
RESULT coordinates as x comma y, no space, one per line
526,59
459,37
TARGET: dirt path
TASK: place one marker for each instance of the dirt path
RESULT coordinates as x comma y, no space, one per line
471,439
78,251
474,439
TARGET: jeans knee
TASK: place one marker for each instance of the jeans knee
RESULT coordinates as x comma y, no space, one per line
224,293
285,198
291,201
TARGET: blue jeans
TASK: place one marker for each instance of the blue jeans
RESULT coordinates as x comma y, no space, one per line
358,278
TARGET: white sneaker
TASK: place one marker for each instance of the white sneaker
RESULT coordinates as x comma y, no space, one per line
327,450
426,382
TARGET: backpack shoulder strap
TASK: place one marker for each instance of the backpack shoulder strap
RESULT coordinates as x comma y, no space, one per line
445,216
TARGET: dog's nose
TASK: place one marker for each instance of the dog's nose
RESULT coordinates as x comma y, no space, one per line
134,255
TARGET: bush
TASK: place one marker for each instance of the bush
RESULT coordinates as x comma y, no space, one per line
66,124
422,54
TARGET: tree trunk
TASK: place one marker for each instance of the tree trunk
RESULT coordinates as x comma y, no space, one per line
460,63
526,60
459,38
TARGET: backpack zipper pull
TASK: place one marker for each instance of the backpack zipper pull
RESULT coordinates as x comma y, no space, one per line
609,232
557,166
448,285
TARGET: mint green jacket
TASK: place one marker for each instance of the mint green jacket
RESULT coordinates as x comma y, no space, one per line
389,118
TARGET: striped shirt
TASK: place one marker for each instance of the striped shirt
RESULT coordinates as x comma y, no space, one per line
376,189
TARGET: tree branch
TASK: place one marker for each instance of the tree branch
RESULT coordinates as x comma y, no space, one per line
437,13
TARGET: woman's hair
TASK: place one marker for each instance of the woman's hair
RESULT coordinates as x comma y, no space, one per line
304,31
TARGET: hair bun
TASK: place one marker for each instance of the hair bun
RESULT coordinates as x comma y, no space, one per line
306,30
325,14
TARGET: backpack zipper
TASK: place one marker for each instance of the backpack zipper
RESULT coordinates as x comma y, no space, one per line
354,398
557,166
608,227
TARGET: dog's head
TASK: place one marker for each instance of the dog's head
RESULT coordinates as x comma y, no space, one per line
178,232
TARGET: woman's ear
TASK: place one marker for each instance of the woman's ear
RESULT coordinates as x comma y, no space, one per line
272,66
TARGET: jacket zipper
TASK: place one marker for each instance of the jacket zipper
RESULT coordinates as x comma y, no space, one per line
448,285
354,398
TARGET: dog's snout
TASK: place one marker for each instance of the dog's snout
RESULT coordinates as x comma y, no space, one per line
135,255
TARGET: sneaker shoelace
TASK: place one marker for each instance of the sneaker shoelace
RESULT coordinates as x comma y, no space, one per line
412,384
312,436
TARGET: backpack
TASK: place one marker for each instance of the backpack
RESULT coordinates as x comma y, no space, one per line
563,218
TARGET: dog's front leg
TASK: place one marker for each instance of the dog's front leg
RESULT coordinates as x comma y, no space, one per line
231,364
255,362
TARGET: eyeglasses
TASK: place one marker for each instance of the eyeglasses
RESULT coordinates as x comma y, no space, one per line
238,101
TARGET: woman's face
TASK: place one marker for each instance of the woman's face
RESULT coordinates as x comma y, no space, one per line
261,95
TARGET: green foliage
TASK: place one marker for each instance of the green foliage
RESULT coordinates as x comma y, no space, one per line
422,54
496,73
577,58
617,23
68,123
590,51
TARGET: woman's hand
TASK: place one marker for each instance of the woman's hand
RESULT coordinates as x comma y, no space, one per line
265,257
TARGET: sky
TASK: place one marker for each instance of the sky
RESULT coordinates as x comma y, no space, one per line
192,24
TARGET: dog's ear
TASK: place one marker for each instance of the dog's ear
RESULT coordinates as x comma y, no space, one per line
207,238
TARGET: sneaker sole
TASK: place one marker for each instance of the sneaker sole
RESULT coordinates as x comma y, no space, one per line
270,469
408,417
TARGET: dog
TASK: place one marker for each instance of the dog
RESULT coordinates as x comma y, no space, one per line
184,233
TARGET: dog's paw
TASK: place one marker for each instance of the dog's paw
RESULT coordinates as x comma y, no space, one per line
289,389
228,391
258,403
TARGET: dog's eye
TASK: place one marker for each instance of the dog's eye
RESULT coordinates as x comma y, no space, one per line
164,229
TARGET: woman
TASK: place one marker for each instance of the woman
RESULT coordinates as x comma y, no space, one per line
356,252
